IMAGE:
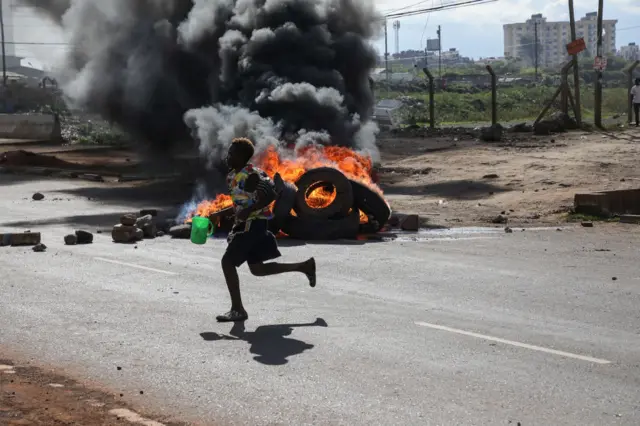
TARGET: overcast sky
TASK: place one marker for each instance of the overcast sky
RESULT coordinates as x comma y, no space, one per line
475,31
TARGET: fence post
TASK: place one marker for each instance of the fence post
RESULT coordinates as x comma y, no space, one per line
563,91
629,71
494,96
432,107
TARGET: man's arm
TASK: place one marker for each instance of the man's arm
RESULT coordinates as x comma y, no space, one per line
265,195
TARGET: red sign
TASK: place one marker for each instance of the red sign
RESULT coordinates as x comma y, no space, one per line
576,46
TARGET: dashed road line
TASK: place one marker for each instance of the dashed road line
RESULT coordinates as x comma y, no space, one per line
133,265
514,343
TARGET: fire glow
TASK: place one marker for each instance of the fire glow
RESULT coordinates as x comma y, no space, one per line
354,165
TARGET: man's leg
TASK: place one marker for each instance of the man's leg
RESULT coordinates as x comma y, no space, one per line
307,267
636,108
234,255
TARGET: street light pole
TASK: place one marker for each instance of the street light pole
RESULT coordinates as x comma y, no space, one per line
4,53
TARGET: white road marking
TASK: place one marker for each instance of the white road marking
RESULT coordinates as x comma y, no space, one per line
133,265
514,343
130,416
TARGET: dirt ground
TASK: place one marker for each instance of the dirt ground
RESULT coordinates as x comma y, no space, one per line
31,396
452,179
457,180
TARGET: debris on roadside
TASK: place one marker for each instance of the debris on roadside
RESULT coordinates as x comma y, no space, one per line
587,224
499,219
84,237
509,230
133,228
410,223
38,196
180,231
71,240
39,248
27,238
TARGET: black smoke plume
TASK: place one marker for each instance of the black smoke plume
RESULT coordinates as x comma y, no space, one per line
166,70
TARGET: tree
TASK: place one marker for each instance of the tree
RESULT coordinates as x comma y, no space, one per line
527,49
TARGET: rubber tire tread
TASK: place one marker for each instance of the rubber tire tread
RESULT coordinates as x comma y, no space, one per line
344,193
315,229
371,203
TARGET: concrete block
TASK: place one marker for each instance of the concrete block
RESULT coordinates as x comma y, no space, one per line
630,218
38,127
410,223
25,239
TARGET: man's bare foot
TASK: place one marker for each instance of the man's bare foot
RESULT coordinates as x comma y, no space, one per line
309,269
233,315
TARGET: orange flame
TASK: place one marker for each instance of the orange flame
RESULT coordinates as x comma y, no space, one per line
353,165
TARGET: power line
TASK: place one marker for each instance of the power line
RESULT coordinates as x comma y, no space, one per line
444,6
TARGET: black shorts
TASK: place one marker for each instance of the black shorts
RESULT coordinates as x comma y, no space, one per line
255,245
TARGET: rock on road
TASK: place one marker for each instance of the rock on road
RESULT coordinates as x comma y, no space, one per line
456,328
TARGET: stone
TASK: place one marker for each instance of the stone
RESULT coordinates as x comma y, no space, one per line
508,230
25,239
499,219
587,224
150,230
139,234
410,223
160,234
181,231
492,133
490,176
521,128
71,240
84,237
152,212
39,248
143,221
123,233
556,123
128,220
37,196
394,221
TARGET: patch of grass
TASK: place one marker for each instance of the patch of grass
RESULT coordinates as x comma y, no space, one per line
514,103
573,217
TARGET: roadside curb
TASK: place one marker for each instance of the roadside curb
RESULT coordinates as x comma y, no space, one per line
81,174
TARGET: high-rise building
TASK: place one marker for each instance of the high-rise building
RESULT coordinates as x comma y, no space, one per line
553,38
630,52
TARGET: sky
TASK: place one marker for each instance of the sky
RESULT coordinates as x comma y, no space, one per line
476,31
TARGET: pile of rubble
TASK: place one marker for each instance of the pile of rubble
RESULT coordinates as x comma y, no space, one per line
133,228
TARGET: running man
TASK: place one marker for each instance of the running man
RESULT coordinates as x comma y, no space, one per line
250,240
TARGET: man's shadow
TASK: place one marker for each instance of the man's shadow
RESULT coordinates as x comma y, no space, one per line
268,342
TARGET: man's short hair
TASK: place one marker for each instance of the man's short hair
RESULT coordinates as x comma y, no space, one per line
245,146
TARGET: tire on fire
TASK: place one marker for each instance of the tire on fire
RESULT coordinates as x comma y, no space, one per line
371,203
314,178
319,229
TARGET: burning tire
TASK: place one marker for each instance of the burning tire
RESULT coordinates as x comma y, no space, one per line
323,193
371,203
317,229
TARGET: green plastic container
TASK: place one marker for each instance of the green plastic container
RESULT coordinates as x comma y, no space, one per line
201,229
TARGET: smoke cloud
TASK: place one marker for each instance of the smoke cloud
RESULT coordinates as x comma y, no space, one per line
166,70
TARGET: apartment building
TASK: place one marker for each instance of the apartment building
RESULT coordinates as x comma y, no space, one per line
630,52
553,38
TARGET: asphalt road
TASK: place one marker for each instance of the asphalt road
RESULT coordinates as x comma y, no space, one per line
454,328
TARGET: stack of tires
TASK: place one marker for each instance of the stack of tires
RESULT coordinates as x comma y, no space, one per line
339,219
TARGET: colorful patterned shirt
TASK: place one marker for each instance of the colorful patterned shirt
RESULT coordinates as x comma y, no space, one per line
243,199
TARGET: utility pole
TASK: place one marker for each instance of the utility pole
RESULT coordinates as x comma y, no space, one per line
535,43
576,70
440,53
386,54
598,94
4,53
